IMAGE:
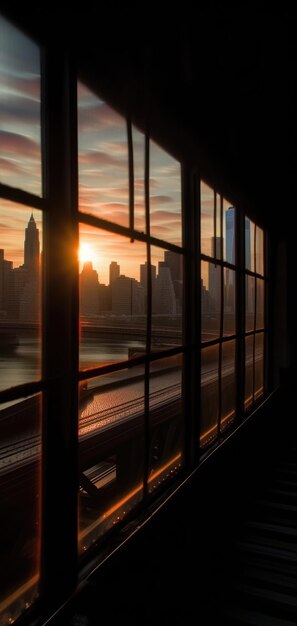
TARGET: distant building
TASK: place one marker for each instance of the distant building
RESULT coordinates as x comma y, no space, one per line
89,290
127,296
31,246
230,235
164,300
214,287
114,271
247,243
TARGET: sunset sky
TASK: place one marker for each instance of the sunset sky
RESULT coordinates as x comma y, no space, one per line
103,165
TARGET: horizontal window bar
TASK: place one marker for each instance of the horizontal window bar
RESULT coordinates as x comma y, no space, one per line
255,274
211,259
115,367
98,222
214,342
21,391
22,197
255,332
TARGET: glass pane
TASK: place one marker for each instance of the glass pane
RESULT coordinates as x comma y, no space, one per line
249,371
260,303
259,251
165,196
20,286
20,424
111,451
166,421
249,302
207,218
167,292
229,232
112,298
20,128
210,300
259,365
103,159
228,384
139,195
249,244
229,302
209,394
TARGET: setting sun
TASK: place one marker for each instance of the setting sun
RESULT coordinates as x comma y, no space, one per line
85,253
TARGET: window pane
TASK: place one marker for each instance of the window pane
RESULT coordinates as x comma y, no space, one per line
249,371
259,250
229,232
111,451
210,300
249,245
165,196
228,384
20,424
20,285
112,298
20,128
207,218
229,302
259,365
139,195
260,303
249,302
217,240
167,293
103,159
166,421
209,394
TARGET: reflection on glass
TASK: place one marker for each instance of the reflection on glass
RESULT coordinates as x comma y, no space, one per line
103,159
167,297
20,128
19,496
165,196
229,232
228,384
229,302
112,297
209,394
210,300
260,303
259,365
249,244
166,421
20,284
259,251
249,371
207,218
249,302
138,139
111,451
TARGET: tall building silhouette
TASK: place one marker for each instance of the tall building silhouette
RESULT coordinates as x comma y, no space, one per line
31,246
114,271
247,243
230,235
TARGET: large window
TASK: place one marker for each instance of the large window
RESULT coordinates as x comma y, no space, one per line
218,314
131,294
102,273
20,320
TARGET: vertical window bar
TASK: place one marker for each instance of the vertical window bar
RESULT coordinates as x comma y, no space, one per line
131,175
214,252
240,310
60,330
221,316
255,313
149,317
192,333
268,311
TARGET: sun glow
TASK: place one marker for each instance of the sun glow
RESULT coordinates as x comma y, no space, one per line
86,253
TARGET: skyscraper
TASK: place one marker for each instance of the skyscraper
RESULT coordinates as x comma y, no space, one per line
114,271
31,246
247,243
230,235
